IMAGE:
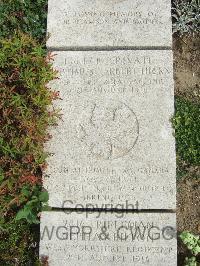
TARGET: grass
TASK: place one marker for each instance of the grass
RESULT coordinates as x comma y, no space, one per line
187,126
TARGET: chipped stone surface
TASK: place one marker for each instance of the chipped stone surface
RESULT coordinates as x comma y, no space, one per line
114,146
113,23
108,239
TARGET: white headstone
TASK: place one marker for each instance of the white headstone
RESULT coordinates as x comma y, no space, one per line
114,147
109,23
114,144
115,239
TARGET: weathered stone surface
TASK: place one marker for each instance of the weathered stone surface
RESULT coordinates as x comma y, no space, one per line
114,146
108,239
113,23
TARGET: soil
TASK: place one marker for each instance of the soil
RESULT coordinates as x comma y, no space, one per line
187,67
187,85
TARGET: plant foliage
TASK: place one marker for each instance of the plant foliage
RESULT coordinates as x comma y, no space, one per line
25,116
18,243
24,15
187,127
186,16
192,242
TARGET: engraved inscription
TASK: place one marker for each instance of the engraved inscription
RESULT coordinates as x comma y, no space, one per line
114,142
113,23
122,74
134,239
112,18
109,130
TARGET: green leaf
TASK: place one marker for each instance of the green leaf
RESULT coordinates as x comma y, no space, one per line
44,196
22,214
46,208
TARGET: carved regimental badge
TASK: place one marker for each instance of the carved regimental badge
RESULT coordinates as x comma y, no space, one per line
108,130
